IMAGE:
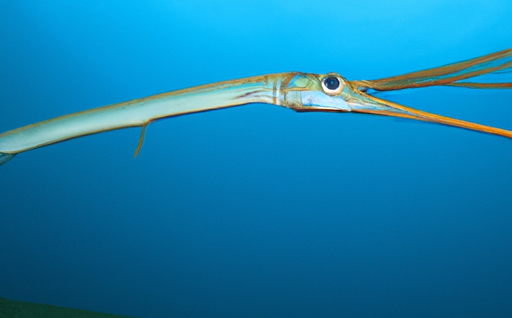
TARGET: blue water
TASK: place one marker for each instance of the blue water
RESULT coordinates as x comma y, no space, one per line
255,211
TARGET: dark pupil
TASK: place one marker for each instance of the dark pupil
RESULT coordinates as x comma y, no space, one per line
331,83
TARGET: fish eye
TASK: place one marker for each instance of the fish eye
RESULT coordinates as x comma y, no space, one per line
331,85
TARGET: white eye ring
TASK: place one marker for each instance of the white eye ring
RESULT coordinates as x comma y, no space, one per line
332,84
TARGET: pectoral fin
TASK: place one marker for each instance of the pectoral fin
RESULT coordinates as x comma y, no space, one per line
448,74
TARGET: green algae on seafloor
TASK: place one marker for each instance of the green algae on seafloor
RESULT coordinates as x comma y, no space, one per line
21,309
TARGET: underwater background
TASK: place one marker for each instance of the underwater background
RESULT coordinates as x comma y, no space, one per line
255,211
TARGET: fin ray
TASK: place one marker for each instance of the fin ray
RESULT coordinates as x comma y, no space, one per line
4,157
141,139
446,75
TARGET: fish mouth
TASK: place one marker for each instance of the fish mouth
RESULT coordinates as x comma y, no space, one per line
377,106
